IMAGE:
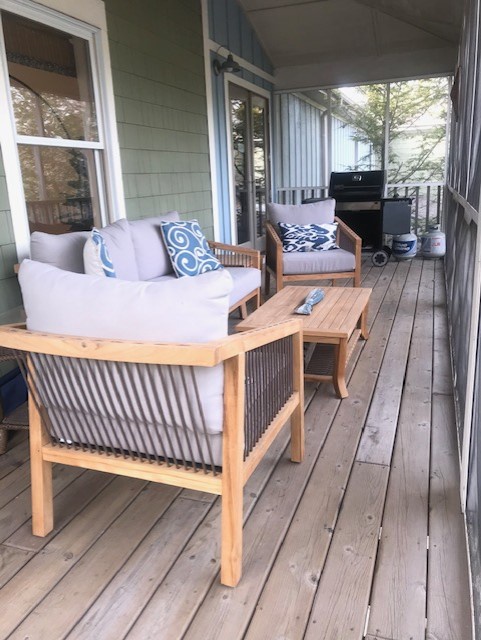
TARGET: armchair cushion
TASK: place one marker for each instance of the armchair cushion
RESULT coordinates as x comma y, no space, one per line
318,262
118,240
64,251
152,258
246,280
312,213
308,237
184,310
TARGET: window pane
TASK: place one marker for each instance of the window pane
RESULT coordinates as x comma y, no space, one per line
60,188
358,115
417,130
50,81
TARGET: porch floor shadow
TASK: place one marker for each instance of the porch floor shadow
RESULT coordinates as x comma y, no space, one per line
365,538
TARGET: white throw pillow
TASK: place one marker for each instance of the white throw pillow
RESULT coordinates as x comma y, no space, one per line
97,260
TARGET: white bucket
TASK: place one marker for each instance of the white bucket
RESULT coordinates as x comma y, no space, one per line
433,243
404,246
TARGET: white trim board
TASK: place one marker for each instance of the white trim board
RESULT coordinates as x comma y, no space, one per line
210,121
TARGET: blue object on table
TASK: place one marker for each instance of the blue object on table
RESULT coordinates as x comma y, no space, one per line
315,296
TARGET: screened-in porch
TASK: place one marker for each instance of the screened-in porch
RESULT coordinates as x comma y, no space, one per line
365,538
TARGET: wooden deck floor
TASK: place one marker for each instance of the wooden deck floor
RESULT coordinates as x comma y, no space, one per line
363,539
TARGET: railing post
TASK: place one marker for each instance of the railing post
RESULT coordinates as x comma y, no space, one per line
428,204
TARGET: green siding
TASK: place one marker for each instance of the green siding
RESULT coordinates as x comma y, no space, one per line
158,74
9,290
159,86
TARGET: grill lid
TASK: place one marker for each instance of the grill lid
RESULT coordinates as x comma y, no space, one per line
357,186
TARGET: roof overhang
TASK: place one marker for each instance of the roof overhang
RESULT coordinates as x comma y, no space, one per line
314,43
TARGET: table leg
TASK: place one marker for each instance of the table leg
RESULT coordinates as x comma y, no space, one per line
339,373
363,323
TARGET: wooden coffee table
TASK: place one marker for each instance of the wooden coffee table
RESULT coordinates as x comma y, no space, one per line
332,330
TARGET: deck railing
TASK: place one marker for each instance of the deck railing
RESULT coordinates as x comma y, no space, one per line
427,200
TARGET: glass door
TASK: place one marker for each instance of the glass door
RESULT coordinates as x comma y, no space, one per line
249,139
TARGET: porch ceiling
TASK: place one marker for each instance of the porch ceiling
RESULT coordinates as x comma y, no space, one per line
315,43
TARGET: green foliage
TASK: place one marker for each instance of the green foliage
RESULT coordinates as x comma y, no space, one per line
416,126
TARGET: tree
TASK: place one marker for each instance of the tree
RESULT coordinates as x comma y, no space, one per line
416,126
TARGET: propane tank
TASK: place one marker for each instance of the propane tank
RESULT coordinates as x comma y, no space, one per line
433,243
404,246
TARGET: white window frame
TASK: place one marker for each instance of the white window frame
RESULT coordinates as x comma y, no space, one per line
86,20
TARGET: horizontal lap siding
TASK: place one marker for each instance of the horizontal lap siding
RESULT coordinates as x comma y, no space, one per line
159,86
9,291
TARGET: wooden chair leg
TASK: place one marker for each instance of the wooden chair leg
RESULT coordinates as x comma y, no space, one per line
243,311
267,282
279,282
3,441
297,418
41,473
232,472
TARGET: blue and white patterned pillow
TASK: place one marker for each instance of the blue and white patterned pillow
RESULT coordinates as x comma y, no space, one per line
97,261
308,237
188,249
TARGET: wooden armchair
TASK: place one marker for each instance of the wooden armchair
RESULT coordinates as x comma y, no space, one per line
242,263
134,409
346,239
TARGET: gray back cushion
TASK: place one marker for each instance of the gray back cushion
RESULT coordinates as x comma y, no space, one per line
179,310
152,258
312,213
119,243
65,251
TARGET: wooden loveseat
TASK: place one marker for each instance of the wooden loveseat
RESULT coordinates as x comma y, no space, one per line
141,379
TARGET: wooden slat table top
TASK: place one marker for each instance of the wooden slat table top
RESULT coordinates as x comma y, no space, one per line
336,316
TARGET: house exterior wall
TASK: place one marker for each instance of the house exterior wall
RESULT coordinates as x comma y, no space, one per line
299,143
159,86
9,291
228,27
160,98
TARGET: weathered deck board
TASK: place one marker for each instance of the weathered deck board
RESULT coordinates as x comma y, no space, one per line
225,614
300,561
131,560
378,438
398,600
124,546
42,573
340,605
448,611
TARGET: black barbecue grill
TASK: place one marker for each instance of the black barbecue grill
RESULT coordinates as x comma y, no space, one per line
359,203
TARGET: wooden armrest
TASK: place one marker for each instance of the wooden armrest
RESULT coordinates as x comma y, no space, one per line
273,248
253,255
347,231
206,354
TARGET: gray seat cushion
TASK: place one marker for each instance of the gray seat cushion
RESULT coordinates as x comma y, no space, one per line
246,280
334,261
312,213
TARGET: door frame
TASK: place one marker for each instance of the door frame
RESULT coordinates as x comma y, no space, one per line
263,93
